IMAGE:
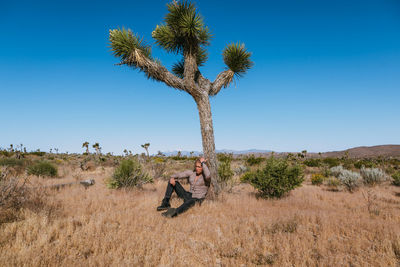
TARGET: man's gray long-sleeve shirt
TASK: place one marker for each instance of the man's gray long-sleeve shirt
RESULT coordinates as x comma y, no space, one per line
198,190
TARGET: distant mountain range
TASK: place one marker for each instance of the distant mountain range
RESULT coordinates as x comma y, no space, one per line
356,152
235,152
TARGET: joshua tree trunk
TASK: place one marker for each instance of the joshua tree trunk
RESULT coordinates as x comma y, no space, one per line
207,134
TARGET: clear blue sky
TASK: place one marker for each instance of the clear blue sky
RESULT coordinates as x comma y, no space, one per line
326,77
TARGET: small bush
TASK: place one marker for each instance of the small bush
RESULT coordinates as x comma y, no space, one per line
276,179
6,153
11,162
225,172
396,178
241,169
129,174
37,153
364,163
252,160
373,176
333,183
336,171
331,162
15,196
42,168
317,179
312,162
351,180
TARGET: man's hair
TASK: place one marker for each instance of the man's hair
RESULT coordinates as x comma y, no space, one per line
197,161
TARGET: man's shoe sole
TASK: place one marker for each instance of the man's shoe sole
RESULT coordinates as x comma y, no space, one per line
162,208
169,213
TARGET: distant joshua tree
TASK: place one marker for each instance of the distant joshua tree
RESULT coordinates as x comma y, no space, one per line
184,33
11,148
86,145
126,152
97,147
146,147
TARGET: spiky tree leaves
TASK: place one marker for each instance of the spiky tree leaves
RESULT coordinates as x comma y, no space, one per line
184,33
124,42
237,58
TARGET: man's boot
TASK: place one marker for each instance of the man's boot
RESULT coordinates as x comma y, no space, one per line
164,205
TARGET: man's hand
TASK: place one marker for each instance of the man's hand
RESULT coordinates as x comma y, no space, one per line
172,181
203,160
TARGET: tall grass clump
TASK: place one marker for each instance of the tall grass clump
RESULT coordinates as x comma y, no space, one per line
373,176
276,179
43,168
129,173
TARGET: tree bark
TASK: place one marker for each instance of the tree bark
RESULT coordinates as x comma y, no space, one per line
207,134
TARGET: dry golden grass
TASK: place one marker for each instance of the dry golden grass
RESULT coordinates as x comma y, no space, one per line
103,227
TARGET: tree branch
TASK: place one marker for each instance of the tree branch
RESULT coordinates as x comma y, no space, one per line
223,79
153,70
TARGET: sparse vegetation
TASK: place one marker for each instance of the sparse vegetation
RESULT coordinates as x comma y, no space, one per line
105,217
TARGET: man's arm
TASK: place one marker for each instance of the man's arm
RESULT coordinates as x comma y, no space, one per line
181,175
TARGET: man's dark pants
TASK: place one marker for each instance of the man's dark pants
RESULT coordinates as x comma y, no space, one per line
188,201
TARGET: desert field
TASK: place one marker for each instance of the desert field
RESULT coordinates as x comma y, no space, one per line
98,226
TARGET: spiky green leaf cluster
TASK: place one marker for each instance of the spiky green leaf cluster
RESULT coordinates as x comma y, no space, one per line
123,42
183,30
237,58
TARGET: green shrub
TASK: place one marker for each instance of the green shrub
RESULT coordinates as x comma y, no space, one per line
42,168
373,176
364,162
225,172
276,179
396,178
331,162
312,162
317,179
6,153
129,174
37,153
252,160
11,162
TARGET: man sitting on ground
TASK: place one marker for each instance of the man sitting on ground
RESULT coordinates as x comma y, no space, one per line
199,180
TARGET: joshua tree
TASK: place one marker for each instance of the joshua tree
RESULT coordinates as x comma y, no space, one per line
97,147
86,145
146,147
184,33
